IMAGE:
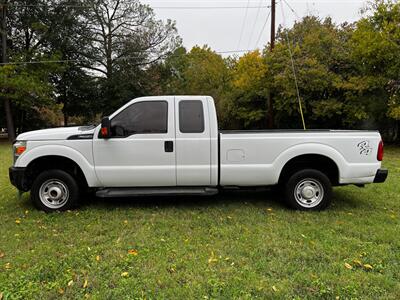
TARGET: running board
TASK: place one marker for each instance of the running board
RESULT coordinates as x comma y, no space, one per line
161,191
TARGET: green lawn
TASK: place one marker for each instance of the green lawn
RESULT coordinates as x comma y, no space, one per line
241,246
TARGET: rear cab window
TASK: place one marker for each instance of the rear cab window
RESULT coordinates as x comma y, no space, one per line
191,116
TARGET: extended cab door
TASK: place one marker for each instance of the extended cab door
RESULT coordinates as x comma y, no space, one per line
141,150
193,145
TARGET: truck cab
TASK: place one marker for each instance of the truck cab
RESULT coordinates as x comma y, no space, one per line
159,141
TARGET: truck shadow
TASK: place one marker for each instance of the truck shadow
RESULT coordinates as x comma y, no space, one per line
264,198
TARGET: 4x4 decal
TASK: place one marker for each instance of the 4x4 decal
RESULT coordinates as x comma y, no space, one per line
364,148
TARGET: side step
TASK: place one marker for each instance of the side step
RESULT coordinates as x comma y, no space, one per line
156,191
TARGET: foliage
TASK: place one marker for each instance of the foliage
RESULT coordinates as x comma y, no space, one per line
101,50
376,46
348,74
26,87
250,91
124,37
199,72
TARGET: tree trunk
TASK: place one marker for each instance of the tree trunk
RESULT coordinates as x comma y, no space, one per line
10,122
7,104
65,119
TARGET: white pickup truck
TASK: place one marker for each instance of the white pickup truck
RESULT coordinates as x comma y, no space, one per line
170,145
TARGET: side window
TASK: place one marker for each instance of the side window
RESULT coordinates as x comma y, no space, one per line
191,116
141,117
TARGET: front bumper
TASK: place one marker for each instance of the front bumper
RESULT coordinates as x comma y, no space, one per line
18,178
381,175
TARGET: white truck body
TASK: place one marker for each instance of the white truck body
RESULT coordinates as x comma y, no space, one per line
199,157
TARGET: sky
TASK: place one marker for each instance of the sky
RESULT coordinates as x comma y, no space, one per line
240,28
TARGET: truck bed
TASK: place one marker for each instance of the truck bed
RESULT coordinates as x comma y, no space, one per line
257,156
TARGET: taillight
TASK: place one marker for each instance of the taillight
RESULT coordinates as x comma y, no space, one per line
380,151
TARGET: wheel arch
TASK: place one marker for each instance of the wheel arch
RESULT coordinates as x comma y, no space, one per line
315,161
59,162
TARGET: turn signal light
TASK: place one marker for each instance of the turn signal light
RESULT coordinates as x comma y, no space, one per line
104,131
19,150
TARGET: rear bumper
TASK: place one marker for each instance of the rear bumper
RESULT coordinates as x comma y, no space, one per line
18,178
381,175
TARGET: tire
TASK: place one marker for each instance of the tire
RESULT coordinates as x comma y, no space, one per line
308,190
55,190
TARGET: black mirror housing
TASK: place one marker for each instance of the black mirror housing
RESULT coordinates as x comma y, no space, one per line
105,130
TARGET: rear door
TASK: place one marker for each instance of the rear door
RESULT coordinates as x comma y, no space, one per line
141,150
193,144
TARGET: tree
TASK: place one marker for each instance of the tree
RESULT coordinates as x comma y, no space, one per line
6,102
125,37
75,88
375,47
249,101
323,68
199,72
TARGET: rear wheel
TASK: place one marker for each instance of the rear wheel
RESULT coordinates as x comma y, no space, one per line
55,190
308,190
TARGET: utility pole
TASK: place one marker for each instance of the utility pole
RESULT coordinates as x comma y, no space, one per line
273,12
4,59
272,45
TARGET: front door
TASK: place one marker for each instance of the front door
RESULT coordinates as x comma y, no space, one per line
141,150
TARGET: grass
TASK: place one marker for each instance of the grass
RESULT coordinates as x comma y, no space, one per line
238,245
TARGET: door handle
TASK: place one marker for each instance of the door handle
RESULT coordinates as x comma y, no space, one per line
169,146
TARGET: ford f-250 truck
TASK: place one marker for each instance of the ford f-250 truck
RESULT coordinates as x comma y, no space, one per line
170,145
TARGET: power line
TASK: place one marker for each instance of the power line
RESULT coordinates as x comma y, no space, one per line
244,23
127,58
254,24
154,7
262,29
291,8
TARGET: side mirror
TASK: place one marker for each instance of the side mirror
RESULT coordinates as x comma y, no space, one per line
105,131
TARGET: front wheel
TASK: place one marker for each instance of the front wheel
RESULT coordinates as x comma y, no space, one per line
55,190
308,190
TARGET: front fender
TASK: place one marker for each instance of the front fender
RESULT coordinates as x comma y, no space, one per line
64,151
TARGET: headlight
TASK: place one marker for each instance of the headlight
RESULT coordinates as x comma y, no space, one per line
19,147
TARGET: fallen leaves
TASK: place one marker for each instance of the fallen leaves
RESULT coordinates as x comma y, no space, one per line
70,283
17,221
97,257
358,264
368,267
133,252
348,266
212,258
124,274
2,254
85,284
